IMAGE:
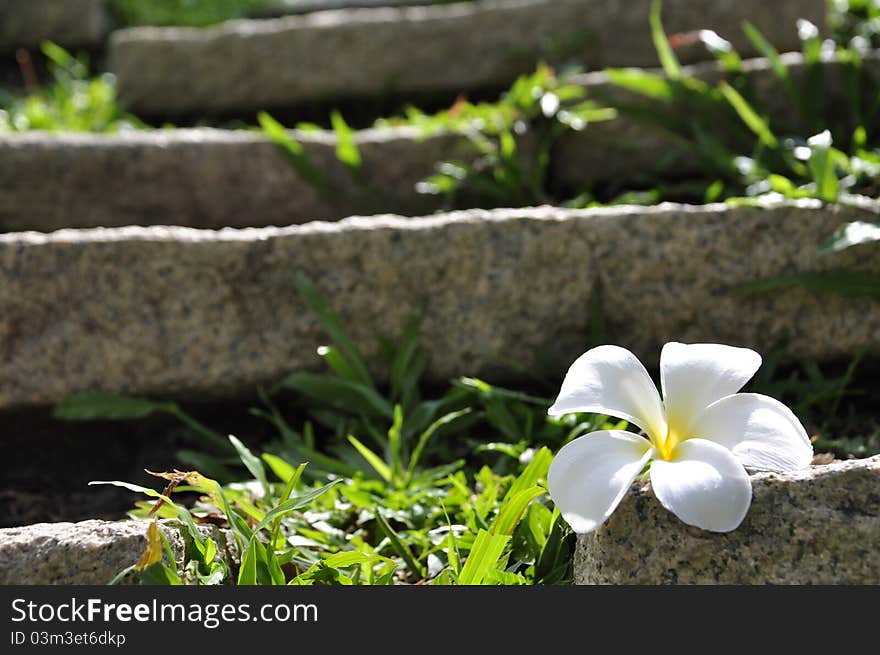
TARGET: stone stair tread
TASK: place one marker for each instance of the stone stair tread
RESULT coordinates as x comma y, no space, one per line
172,311
813,526
210,178
248,65
69,23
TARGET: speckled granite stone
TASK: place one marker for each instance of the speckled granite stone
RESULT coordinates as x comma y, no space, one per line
252,65
816,526
209,178
88,552
178,312
69,23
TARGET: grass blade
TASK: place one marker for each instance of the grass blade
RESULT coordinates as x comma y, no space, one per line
852,285
330,321
426,437
483,557
668,60
512,510
344,395
346,147
292,149
252,463
295,503
399,547
372,459
91,406
748,115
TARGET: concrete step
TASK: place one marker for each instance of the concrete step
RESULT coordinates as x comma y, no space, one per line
69,23
248,65
803,527
209,178
177,312
90,552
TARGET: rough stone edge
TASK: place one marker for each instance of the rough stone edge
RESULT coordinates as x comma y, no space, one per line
760,480
97,28
40,554
421,13
586,157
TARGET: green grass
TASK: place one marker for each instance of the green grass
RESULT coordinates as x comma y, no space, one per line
72,101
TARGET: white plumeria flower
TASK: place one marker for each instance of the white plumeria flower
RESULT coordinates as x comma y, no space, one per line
699,437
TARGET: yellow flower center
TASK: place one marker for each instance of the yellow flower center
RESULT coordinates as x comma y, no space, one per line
667,444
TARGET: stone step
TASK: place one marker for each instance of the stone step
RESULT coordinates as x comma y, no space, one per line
209,178
815,526
292,7
88,552
69,23
177,312
248,65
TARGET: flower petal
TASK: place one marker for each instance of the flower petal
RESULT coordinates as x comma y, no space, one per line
611,380
590,475
703,485
760,431
693,376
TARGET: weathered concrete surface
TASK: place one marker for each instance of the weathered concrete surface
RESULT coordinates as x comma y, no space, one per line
208,178
182,312
215,178
69,23
816,526
87,553
626,148
250,65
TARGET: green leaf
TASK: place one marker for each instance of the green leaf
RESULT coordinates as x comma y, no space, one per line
661,43
344,395
426,436
292,150
182,513
403,382
852,285
399,547
241,529
372,459
330,321
337,361
644,83
351,557
535,471
394,441
512,510
282,470
252,463
346,147
91,406
483,557
763,46
160,574
257,567
748,115
821,165
295,503
851,234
